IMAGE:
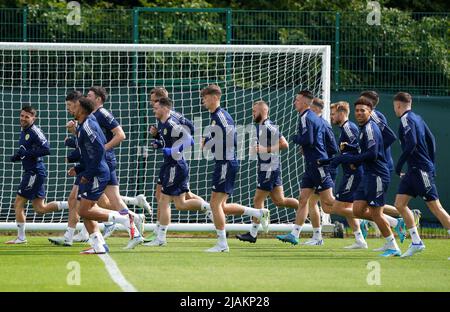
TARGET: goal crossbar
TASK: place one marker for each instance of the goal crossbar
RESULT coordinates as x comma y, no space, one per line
97,47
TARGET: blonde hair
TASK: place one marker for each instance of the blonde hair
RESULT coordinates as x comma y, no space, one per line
159,92
318,103
341,106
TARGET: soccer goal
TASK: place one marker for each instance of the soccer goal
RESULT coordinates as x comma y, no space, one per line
41,74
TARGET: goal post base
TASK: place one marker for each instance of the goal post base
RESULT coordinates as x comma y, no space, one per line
176,227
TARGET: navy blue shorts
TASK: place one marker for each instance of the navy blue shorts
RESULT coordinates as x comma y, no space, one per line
111,162
95,188
333,175
113,178
318,178
161,173
77,183
224,175
348,187
175,179
268,180
32,185
112,171
417,182
372,189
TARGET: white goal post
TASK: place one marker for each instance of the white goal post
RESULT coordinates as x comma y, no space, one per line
41,74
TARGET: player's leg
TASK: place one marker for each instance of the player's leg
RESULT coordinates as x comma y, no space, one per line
93,212
361,211
392,215
342,209
266,182
326,200
315,178
158,189
19,207
277,196
139,201
38,189
346,209
239,210
41,207
217,202
87,210
419,183
360,207
96,213
175,183
116,203
183,203
158,192
153,235
302,214
374,193
32,187
343,205
223,178
258,203
104,202
179,188
205,207
73,220
440,213
314,217
112,192
164,221
159,185
193,204
190,195
314,210
391,211
391,247
302,211
75,196
401,202
109,227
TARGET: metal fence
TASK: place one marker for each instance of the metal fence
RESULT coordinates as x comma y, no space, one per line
406,51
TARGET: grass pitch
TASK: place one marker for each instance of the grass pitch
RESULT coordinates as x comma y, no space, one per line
268,265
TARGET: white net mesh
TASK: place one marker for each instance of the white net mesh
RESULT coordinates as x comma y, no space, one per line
41,74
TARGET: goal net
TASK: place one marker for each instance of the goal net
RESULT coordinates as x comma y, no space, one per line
42,73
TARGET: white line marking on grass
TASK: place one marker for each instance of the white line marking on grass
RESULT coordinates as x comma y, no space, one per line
115,274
